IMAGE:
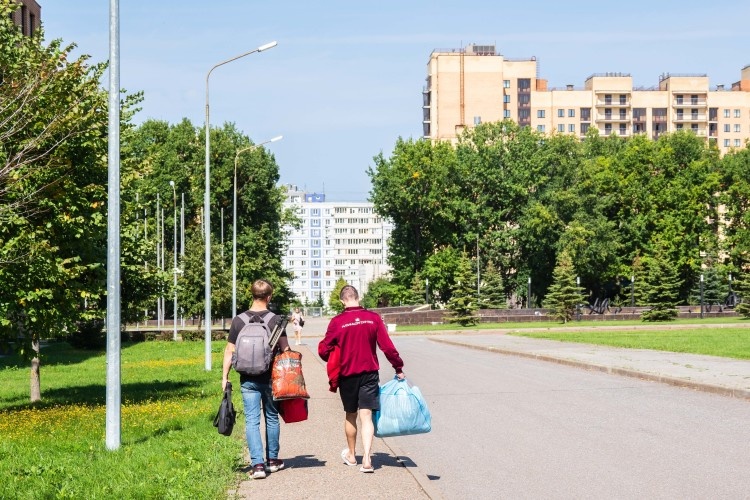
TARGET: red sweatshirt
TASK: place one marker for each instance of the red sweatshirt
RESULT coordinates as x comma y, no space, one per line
357,332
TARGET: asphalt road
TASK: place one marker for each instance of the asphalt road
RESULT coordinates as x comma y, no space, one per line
509,427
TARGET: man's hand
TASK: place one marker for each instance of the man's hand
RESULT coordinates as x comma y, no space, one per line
401,376
223,384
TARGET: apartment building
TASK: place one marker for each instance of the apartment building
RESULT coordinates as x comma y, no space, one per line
475,84
28,16
336,239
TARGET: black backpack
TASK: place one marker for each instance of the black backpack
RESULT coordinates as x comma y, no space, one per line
253,350
225,417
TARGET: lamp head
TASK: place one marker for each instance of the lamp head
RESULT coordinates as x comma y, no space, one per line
269,45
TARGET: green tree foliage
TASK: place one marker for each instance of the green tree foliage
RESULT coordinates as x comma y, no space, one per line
165,153
735,198
382,292
526,197
441,269
714,288
741,286
415,189
492,290
334,302
463,301
564,294
659,285
53,129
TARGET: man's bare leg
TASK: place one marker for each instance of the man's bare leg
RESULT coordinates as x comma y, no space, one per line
350,429
368,433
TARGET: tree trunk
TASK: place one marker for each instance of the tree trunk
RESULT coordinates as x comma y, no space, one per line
36,390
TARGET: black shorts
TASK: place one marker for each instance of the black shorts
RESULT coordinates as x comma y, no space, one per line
360,392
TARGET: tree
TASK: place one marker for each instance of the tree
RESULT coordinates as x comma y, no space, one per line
564,295
463,301
492,291
659,285
334,302
53,129
384,293
741,285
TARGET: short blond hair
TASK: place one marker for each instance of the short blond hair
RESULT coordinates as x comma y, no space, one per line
261,289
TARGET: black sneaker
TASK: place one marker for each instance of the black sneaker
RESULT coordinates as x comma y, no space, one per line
259,471
275,465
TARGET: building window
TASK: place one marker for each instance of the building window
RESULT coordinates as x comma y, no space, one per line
506,113
585,114
726,143
506,84
623,129
726,127
737,143
561,113
584,128
572,128
726,113
561,127
608,99
679,126
679,99
623,99
477,120
737,113
571,113
737,127
540,113
506,99
540,128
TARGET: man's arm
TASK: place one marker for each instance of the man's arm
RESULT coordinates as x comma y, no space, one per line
326,345
226,365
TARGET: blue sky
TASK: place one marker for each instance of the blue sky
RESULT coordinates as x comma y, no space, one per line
345,80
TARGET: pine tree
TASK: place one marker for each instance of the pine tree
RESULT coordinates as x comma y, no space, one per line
563,295
712,289
741,286
463,301
659,286
492,292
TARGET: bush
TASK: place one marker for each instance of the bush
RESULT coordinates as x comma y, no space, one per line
90,335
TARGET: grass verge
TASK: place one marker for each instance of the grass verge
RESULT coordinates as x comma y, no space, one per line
170,449
725,342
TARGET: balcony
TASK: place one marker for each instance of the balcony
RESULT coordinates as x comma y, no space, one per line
612,103
689,117
699,102
613,118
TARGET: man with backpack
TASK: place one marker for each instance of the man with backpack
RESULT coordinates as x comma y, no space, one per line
249,352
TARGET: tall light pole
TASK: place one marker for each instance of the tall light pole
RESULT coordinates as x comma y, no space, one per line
234,220
113,393
207,206
174,268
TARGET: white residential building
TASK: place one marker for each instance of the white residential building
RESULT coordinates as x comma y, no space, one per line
336,239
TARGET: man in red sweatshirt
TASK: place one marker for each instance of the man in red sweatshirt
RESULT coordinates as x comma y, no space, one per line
357,332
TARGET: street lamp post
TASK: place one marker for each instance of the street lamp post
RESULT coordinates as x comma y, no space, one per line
632,290
701,296
234,220
578,304
207,207
174,268
528,298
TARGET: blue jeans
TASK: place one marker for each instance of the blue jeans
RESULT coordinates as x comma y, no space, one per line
252,394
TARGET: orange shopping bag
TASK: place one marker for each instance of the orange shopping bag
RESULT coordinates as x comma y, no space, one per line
287,381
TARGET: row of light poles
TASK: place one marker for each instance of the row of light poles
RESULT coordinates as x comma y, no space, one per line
206,206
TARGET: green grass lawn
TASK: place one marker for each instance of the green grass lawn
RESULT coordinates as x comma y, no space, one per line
170,449
726,337
726,342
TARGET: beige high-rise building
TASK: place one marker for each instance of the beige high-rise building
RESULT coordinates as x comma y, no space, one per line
469,86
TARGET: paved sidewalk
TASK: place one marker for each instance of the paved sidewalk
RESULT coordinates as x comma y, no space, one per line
311,453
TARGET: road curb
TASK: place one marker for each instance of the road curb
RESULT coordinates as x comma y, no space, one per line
678,382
